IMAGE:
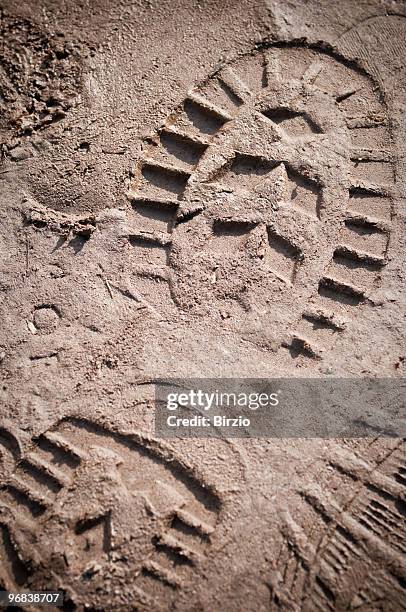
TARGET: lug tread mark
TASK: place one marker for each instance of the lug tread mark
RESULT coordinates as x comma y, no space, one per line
365,234
18,481
180,548
182,148
197,121
300,345
370,186
327,574
364,203
354,267
65,445
340,292
398,468
368,260
35,477
334,558
191,520
389,520
294,124
152,248
347,93
324,597
379,508
221,114
165,203
14,572
368,170
155,272
283,257
372,155
381,524
154,215
345,541
315,333
60,477
154,165
156,570
298,540
370,224
325,320
365,521
159,178
151,239
239,88
219,95
272,68
16,491
10,442
200,140
10,449
400,477
226,227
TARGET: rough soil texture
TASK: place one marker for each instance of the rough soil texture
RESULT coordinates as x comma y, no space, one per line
198,189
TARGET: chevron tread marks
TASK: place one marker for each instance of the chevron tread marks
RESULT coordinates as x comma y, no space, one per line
107,488
311,174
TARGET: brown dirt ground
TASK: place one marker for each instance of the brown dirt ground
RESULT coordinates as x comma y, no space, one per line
201,189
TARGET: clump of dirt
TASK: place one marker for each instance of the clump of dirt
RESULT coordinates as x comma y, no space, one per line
41,217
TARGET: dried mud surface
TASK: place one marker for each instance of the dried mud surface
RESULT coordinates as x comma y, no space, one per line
198,189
